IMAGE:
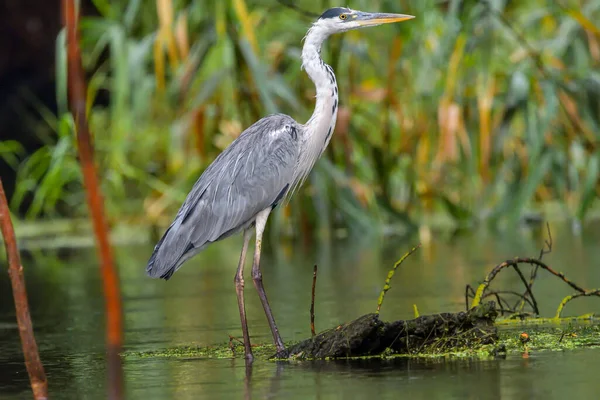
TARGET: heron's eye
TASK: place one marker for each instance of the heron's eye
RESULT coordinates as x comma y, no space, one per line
343,16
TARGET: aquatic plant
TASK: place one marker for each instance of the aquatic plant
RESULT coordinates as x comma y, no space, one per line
475,111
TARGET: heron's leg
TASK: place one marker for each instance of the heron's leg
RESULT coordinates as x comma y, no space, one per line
239,290
261,221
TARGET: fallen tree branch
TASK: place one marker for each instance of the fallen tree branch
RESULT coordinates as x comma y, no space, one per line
515,261
35,368
517,311
369,336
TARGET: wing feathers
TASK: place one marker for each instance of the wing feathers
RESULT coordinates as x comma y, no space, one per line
252,174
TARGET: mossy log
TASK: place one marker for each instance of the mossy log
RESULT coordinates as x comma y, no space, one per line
369,336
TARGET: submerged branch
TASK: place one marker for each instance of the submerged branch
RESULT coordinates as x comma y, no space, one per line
369,336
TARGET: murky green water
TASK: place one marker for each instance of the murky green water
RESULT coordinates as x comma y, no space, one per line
198,306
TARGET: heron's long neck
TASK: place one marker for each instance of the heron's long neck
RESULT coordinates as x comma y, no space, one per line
320,126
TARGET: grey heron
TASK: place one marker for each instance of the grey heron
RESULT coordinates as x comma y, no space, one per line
259,170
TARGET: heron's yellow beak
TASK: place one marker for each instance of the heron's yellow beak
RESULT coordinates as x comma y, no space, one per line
369,19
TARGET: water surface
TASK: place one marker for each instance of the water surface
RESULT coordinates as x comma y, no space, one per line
198,307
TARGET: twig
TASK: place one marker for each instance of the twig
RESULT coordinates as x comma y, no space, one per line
527,289
35,368
563,303
547,242
469,293
562,336
520,315
500,300
521,297
546,249
231,345
312,302
232,338
77,102
390,274
519,260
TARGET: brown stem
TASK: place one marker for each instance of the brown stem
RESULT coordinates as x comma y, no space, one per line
77,102
312,302
35,369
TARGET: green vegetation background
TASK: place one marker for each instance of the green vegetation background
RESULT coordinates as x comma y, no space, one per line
473,111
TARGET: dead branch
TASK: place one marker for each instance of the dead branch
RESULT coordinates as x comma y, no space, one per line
517,311
469,293
369,336
527,298
35,368
563,303
524,260
508,310
528,290
546,249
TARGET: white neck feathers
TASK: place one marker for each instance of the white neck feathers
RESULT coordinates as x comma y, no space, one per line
319,128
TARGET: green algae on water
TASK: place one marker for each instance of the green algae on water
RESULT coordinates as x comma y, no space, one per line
224,351
541,338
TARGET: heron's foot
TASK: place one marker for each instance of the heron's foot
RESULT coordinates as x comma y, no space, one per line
279,345
282,353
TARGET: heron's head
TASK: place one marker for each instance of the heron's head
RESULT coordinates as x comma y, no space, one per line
341,19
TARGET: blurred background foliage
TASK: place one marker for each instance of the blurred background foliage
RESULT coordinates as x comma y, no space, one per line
475,111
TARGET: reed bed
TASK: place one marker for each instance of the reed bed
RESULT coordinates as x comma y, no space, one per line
475,111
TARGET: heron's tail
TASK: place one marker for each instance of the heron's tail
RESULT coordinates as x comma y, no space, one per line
157,268
168,255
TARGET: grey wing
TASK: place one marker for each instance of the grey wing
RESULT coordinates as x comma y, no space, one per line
252,174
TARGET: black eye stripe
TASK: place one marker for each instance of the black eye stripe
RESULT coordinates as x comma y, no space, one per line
334,12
